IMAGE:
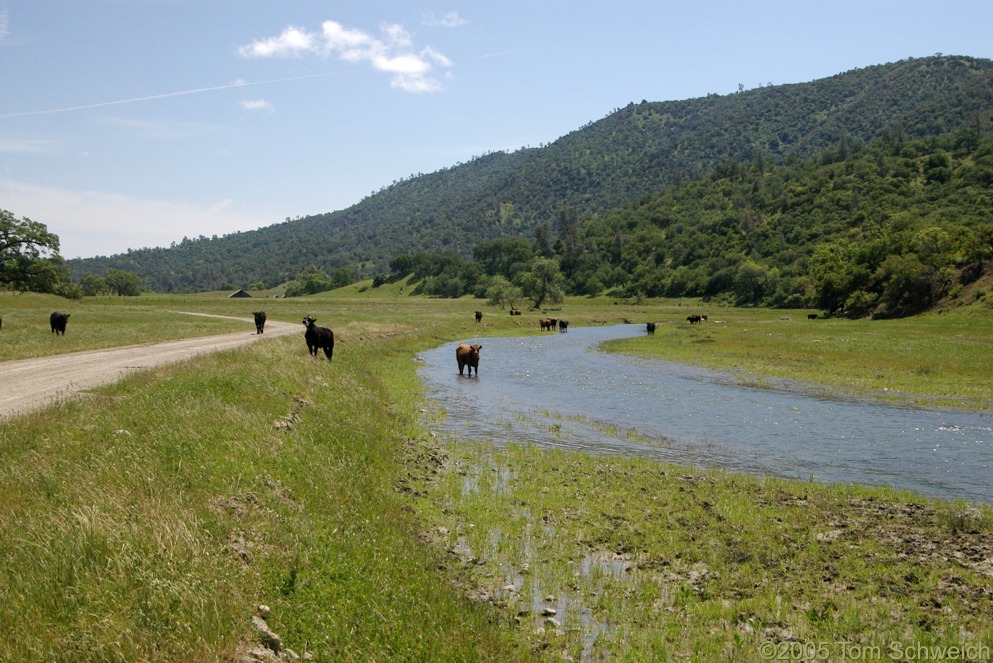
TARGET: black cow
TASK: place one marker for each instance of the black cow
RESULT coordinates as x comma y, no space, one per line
694,319
260,318
563,325
479,316
318,338
650,327
59,321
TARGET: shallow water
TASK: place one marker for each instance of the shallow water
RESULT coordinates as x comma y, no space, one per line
558,390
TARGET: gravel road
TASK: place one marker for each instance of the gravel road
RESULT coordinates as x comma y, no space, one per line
28,384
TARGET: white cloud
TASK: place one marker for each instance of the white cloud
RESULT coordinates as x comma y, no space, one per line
392,53
260,105
293,41
91,223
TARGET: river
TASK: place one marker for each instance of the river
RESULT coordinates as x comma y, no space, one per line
559,390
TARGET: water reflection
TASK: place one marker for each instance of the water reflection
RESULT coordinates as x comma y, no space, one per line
558,390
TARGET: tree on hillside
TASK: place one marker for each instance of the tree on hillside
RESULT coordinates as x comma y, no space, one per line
93,285
543,281
122,283
502,292
21,243
341,277
308,282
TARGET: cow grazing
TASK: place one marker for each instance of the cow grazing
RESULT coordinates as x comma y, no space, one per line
318,338
260,318
650,328
694,319
59,321
563,325
468,355
479,316
703,316
811,316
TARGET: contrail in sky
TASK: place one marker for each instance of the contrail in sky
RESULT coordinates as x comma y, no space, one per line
182,93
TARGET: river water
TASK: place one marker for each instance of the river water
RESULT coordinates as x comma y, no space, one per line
558,390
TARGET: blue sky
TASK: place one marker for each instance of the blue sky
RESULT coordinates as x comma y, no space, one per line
134,123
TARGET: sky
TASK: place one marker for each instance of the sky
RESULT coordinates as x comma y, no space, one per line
127,124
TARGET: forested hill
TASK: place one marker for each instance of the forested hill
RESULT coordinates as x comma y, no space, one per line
632,153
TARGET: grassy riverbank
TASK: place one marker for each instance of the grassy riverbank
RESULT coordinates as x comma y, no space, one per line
148,520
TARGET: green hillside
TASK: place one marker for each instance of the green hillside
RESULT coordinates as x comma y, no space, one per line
633,153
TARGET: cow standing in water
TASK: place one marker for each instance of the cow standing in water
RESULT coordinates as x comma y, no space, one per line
468,355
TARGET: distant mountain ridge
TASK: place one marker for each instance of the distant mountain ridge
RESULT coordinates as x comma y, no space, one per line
632,153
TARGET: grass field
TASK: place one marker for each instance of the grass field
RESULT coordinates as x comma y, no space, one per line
150,519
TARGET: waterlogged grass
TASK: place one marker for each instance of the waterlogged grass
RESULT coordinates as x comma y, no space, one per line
617,559
148,520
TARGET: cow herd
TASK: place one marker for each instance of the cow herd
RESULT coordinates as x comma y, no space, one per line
322,338
549,324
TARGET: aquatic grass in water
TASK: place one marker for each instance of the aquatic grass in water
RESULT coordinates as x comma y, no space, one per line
619,558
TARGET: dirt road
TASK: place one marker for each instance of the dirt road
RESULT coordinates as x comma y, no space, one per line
29,384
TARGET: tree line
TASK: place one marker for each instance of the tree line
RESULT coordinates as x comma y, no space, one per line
30,261
885,229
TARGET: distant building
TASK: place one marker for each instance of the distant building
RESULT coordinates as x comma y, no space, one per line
240,293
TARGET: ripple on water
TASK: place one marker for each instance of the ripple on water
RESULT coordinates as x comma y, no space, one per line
559,392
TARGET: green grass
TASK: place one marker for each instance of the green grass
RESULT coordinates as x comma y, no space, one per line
944,360
148,520
643,561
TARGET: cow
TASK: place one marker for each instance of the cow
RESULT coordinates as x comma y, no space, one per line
703,316
59,321
468,355
546,324
650,328
515,311
694,319
479,316
260,318
563,325
318,338
811,316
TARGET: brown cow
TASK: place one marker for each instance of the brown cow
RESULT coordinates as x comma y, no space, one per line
546,324
468,355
